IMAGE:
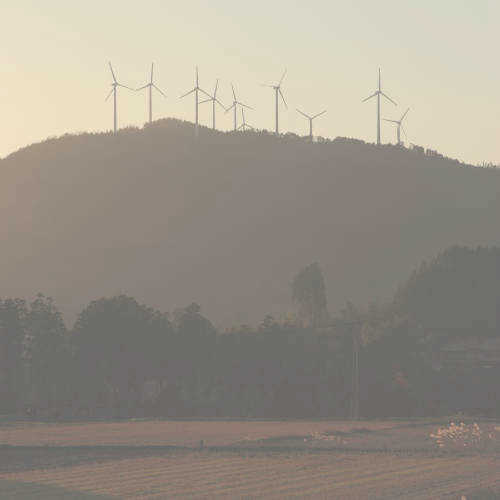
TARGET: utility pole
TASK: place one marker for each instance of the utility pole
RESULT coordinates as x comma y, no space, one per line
355,329
355,375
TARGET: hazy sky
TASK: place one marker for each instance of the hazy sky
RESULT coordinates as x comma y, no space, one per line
438,57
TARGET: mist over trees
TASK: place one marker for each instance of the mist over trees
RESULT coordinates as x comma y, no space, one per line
123,359
227,221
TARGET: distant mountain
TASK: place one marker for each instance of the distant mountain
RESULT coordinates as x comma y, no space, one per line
228,221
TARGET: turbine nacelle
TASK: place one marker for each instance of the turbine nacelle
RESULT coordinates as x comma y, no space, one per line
279,93
196,90
399,124
311,118
114,86
213,99
244,126
377,94
234,107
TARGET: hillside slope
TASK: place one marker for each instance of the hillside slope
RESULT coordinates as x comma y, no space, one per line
227,222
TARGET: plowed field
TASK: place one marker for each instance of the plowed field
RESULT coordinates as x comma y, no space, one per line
239,460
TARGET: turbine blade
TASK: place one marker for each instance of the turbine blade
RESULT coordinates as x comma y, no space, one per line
206,93
220,104
243,105
109,95
234,93
392,121
231,107
404,132
282,78
159,90
387,97
144,87
406,112
124,86
152,66
267,85
112,72
283,98
368,98
206,100
303,114
216,87
319,114
187,93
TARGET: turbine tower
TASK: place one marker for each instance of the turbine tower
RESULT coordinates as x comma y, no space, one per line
151,86
311,118
399,124
114,87
196,90
244,125
278,93
213,99
377,94
234,107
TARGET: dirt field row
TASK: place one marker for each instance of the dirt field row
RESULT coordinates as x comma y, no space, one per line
171,433
218,475
362,435
153,459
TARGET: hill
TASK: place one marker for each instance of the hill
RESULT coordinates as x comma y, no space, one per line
228,221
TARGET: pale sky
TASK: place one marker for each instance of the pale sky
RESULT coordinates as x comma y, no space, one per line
438,57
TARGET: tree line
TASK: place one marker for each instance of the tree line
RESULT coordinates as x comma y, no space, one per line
124,359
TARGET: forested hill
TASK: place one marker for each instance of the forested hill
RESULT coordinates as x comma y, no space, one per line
229,220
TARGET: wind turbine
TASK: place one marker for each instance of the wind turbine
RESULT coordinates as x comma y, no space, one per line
311,118
244,126
151,86
196,91
278,92
234,107
399,123
113,90
377,94
213,99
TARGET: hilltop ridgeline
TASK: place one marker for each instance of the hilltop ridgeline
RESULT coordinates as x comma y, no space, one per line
227,221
